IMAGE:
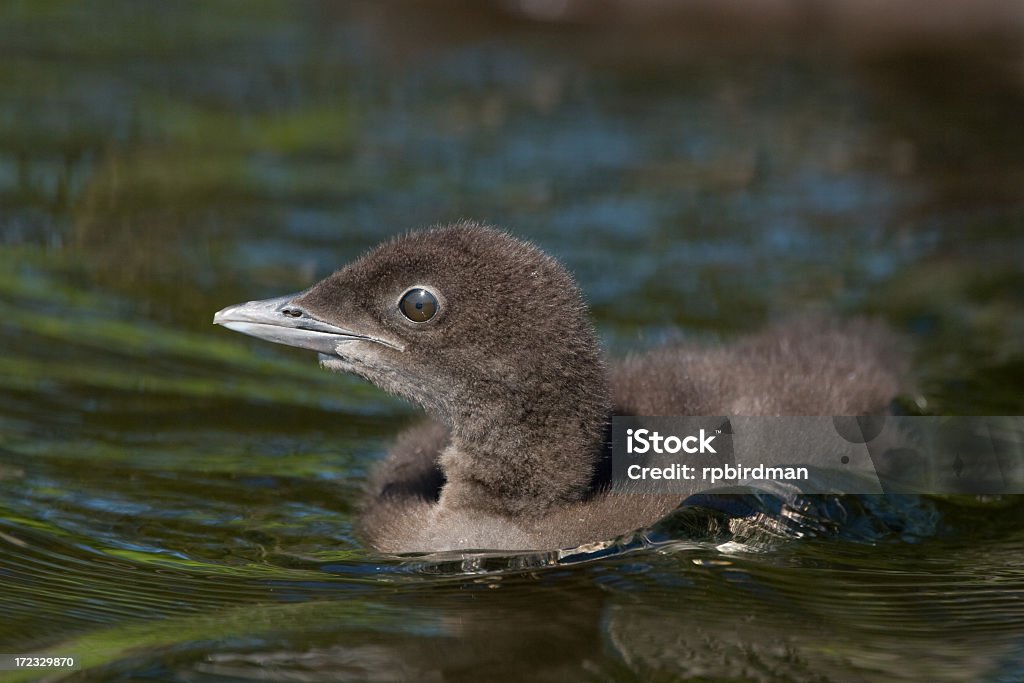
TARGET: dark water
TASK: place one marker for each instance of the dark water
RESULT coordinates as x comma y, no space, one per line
176,502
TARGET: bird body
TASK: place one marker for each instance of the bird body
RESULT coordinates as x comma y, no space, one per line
491,337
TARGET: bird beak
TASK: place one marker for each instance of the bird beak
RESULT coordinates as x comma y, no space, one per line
281,321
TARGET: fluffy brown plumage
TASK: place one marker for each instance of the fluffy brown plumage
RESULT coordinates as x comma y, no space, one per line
511,374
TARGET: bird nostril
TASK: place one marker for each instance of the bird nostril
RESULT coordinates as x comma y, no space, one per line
292,312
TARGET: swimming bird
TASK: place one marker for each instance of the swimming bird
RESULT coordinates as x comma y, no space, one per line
492,338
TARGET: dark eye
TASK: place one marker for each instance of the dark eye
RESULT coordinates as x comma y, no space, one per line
418,305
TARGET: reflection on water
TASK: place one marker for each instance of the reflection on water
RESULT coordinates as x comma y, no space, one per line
178,502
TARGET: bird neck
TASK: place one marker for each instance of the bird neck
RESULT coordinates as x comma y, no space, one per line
523,454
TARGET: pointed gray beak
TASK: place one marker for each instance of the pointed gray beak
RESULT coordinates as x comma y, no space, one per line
282,322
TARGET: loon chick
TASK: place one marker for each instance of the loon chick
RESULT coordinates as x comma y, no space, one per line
491,337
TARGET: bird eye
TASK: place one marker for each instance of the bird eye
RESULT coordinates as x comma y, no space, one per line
418,305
